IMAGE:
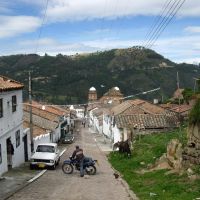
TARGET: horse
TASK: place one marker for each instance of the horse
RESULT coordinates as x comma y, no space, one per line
123,147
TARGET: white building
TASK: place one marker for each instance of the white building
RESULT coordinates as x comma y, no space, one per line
80,111
11,125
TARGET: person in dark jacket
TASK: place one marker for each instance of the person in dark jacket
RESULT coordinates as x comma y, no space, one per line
79,156
10,153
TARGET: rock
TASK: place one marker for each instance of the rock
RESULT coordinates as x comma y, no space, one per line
194,177
190,172
151,194
142,163
86,176
174,154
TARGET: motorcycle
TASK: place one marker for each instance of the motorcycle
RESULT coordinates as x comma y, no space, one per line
71,164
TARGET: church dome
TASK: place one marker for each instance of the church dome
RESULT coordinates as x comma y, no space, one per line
92,89
116,88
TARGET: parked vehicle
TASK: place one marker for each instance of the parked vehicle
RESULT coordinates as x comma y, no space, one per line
68,139
46,155
71,164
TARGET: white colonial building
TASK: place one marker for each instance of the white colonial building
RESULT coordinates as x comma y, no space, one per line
14,141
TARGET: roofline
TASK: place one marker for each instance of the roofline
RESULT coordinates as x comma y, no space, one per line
21,86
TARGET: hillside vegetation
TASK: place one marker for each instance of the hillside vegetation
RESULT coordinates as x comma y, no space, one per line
66,79
158,184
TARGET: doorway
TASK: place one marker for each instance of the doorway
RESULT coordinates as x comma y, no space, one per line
10,152
25,148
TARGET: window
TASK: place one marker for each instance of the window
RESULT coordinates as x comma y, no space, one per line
17,135
1,108
14,103
45,148
0,155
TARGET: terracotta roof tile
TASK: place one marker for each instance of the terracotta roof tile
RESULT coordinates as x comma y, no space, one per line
37,131
148,107
137,106
7,84
52,109
41,121
146,121
181,108
113,92
42,113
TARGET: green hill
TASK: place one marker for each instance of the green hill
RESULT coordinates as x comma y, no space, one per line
66,79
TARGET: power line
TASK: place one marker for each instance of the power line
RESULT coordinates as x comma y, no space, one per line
167,23
163,21
174,8
41,27
157,18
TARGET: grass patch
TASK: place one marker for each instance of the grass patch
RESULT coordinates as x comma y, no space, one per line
166,187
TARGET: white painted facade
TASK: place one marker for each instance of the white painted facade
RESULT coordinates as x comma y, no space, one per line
107,131
117,135
10,123
91,118
97,126
45,138
80,113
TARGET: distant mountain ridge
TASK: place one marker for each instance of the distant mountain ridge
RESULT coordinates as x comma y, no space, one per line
66,79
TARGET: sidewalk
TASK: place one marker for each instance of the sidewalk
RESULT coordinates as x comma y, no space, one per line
19,177
15,179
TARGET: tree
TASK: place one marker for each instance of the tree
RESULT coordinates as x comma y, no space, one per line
187,94
194,117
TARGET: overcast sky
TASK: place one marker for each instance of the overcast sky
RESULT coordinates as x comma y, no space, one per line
80,26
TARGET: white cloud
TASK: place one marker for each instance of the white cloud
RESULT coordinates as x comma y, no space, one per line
61,10
192,29
180,49
40,42
68,10
15,25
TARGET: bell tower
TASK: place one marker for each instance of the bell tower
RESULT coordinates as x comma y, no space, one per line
92,95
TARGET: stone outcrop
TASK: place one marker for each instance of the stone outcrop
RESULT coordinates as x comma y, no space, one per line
174,154
191,153
172,159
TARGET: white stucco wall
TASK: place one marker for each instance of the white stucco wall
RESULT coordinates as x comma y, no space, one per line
10,123
97,127
80,113
116,134
41,139
106,126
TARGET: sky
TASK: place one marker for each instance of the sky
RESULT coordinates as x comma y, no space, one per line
83,26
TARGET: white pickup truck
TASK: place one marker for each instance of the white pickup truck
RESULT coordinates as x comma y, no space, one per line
46,155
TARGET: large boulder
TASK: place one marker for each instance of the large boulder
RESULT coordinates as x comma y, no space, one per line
174,154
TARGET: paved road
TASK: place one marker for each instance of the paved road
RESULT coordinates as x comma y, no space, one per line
59,186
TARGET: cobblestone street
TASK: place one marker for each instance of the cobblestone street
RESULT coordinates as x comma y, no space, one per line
59,186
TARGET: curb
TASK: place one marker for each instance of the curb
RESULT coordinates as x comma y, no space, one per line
25,184
131,194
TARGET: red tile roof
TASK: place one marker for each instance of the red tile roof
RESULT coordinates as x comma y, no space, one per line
51,108
146,121
7,84
37,131
113,92
181,108
137,106
42,113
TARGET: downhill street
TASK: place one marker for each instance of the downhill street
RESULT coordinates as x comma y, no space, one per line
54,184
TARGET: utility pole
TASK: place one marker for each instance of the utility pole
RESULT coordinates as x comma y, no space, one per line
30,111
179,102
195,83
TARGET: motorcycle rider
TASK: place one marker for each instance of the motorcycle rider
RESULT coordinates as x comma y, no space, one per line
79,156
